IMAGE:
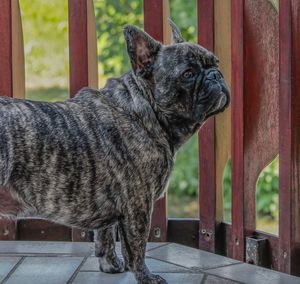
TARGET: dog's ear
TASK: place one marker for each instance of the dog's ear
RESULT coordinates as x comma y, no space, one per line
142,50
176,34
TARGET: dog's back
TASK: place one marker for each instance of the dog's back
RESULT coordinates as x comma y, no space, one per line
65,158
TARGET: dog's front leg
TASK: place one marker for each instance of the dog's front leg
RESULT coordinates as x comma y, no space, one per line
105,240
134,232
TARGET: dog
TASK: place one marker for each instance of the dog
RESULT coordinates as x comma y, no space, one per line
101,159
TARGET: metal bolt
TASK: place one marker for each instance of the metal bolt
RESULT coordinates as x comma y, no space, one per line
156,232
42,232
284,254
237,242
82,234
208,235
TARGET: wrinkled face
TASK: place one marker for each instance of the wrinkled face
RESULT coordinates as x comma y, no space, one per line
186,81
189,82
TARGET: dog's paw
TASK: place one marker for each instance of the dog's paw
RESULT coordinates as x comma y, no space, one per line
111,265
153,279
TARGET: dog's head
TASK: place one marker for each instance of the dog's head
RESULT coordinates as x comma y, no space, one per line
186,81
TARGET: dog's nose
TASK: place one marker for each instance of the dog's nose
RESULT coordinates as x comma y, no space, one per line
214,74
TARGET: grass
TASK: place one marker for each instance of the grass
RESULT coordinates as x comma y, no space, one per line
47,94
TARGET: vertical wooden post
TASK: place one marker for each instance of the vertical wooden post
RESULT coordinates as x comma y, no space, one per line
12,78
222,48
237,128
18,62
83,59
207,158
289,139
156,13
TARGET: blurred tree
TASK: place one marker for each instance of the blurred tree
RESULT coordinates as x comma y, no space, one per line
45,29
111,17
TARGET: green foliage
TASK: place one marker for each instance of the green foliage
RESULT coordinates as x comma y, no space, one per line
45,29
227,191
267,191
184,14
111,17
184,179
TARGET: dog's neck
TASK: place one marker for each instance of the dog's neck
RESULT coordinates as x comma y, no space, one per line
177,129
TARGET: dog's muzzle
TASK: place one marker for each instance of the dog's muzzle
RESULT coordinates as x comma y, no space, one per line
215,91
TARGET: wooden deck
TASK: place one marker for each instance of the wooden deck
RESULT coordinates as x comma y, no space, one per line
67,262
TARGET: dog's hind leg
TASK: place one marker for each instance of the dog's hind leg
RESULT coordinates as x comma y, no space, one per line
105,240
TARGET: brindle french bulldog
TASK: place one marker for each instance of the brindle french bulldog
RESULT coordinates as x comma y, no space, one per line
104,157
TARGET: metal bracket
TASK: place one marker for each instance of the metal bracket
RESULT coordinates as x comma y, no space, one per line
256,250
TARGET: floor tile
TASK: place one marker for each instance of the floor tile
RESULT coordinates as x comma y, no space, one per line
210,279
45,270
182,278
65,248
104,278
30,248
150,246
189,257
91,264
251,274
128,278
154,265
158,266
6,265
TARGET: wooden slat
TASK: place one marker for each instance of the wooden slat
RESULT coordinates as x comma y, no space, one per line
184,231
41,230
207,158
78,45
18,63
289,155
155,17
237,127
83,59
7,228
254,108
222,48
92,46
5,49
261,108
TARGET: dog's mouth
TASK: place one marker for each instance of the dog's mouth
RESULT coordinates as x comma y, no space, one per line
219,105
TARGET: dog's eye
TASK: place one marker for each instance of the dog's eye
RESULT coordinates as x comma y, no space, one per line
188,74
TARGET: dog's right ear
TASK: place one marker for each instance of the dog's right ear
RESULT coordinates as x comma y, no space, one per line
142,50
176,34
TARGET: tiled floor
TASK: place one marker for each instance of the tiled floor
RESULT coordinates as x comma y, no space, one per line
59,262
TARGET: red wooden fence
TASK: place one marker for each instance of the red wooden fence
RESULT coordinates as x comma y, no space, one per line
8,228
259,50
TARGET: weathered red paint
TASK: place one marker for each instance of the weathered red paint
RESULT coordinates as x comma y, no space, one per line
153,25
41,230
207,158
78,45
289,113
237,126
78,50
261,99
7,227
